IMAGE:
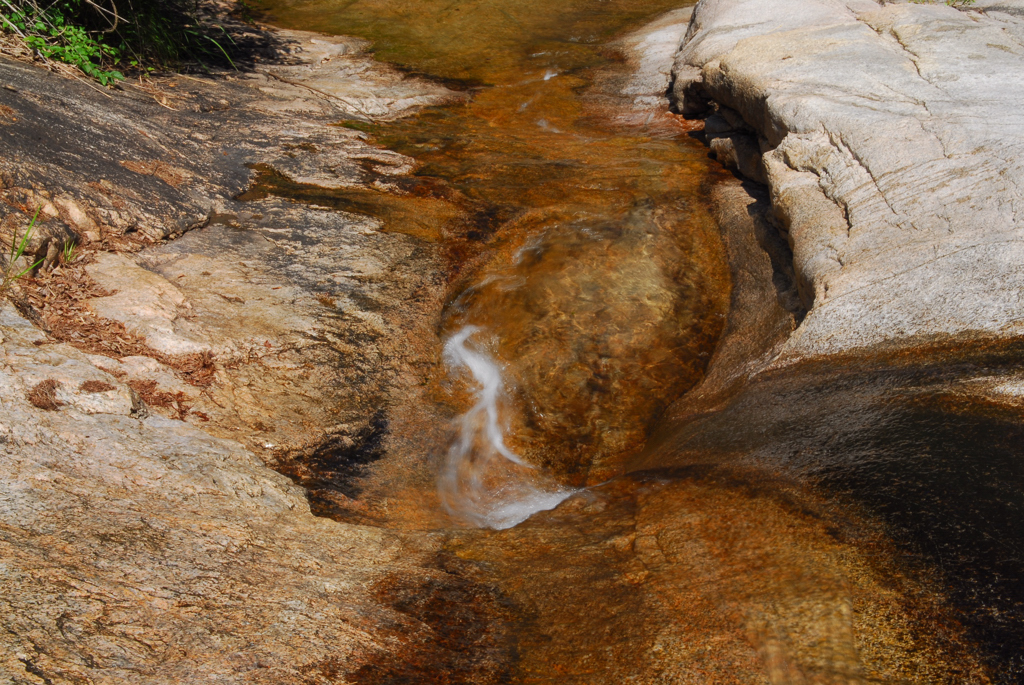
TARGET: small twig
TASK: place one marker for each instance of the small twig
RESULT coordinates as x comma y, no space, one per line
152,91
8,23
334,98
104,10
157,100
98,90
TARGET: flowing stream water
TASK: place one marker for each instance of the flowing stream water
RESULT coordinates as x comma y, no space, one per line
856,522
483,482
596,285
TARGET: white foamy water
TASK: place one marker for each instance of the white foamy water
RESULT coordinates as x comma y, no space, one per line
484,482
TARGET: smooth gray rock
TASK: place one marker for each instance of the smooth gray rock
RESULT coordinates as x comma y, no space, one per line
893,148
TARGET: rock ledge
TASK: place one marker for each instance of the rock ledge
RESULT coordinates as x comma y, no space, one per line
891,138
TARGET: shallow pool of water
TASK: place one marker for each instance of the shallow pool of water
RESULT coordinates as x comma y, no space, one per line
598,281
846,523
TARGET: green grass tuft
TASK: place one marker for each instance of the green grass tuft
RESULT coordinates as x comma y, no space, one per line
10,272
67,254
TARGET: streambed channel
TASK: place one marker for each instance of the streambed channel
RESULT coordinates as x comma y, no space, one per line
843,521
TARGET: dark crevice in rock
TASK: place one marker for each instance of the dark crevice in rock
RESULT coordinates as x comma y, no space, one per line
770,238
733,142
32,668
331,471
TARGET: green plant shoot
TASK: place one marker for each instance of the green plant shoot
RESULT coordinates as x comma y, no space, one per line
10,273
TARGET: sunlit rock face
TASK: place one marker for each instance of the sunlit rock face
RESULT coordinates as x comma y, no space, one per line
890,138
128,536
145,539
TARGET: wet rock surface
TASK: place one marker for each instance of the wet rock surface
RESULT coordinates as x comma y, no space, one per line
901,440
602,324
713,575
781,529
